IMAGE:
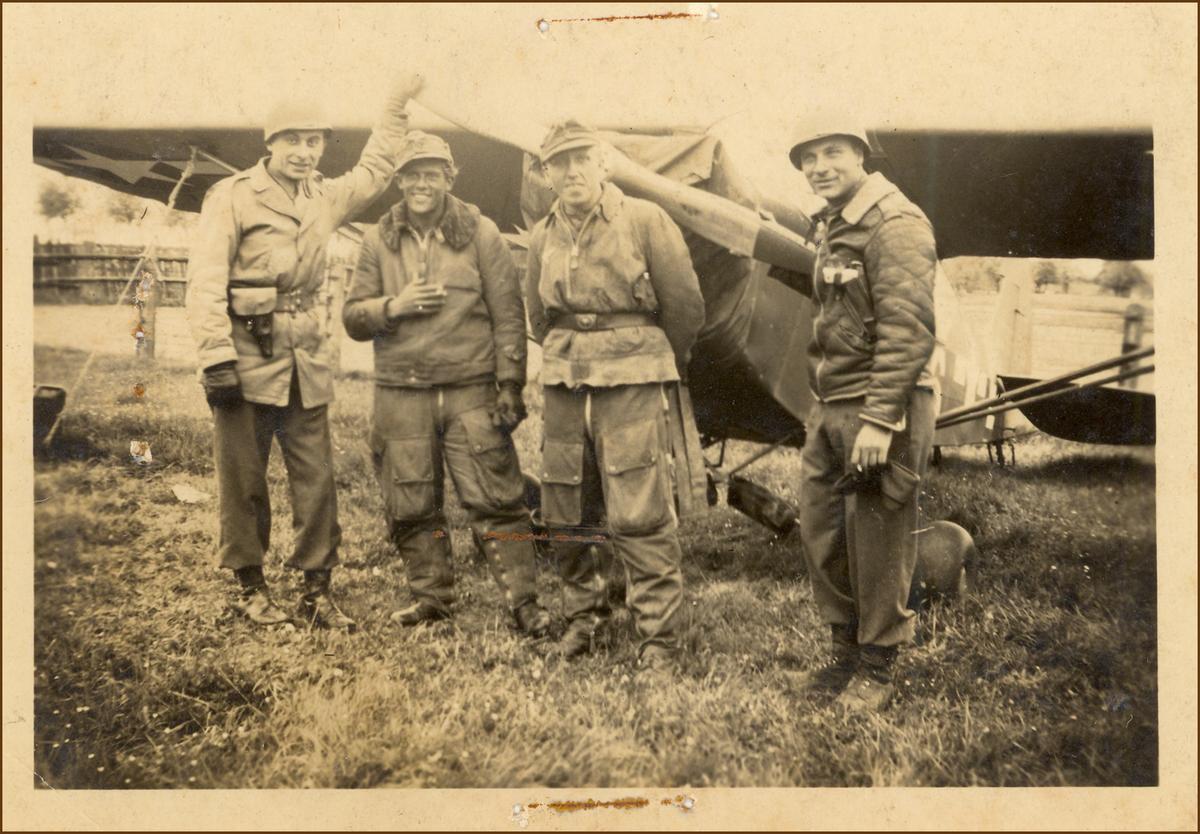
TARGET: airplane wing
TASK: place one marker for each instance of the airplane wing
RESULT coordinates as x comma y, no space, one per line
149,162
1021,194
1012,194
1026,194
1114,416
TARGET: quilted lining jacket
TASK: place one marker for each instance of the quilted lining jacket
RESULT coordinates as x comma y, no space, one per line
872,285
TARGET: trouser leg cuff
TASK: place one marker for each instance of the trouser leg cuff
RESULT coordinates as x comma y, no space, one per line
250,577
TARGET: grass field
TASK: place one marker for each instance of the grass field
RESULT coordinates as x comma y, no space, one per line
1046,675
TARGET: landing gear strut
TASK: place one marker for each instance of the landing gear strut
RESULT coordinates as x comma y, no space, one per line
999,446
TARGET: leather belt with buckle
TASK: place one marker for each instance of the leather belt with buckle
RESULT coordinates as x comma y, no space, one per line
602,321
296,301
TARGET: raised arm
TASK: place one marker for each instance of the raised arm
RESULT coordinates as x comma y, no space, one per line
356,189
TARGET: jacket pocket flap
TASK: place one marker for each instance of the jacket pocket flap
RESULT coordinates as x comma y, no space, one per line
409,460
898,484
562,462
634,446
252,301
481,434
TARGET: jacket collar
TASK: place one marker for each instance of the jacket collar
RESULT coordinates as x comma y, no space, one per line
459,223
611,200
271,194
873,189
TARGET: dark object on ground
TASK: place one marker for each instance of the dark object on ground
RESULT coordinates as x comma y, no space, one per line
48,403
761,505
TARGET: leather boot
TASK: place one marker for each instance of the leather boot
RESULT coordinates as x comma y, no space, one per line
254,600
420,612
533,620
255,604
833,677
426,555
657,664
509,554
580,638
582,569
872,687
317,608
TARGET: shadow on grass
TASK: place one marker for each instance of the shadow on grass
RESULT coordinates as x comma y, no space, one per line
1081,469
69,444
1074,468
105,435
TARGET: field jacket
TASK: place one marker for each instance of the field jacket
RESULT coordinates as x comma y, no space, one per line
256,249
477,335
627,257
872,286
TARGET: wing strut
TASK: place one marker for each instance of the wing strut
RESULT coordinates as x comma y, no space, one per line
1037,391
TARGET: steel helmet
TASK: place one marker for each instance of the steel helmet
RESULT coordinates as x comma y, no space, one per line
946,561
420,145
805,134
296,115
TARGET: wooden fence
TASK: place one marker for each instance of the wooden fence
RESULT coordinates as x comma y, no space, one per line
93,273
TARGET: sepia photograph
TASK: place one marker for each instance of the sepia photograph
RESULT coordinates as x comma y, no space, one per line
592,415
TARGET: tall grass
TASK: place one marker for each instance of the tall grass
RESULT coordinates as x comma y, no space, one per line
1046,675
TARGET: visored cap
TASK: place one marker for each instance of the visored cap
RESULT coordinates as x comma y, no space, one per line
420,145
566,136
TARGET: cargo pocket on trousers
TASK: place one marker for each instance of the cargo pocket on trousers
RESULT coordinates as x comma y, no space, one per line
636,493
407,479
562,483
497,473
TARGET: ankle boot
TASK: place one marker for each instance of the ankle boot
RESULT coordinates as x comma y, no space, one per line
872,687
317,607
831,678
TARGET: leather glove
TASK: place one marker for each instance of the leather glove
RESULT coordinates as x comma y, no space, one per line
510,407
222,387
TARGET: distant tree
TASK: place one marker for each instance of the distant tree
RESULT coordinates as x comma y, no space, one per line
990,274
1121,278
974,275
1055,274
58,201
125,207
1047,275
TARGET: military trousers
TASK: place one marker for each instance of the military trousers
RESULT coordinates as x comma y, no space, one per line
860,554
417,434
606,476
242,447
